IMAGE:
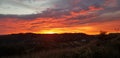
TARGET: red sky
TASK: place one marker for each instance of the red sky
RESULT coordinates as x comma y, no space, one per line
74,17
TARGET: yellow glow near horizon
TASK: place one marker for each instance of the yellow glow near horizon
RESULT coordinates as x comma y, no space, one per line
49,32
67,30
53,31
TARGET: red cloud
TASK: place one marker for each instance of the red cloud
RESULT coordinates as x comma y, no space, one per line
92,9
61,24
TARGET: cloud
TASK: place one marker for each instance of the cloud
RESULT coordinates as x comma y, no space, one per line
25,7
90,11
44,24
111,3
66,16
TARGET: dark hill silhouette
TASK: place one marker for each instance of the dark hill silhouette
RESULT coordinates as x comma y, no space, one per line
25,43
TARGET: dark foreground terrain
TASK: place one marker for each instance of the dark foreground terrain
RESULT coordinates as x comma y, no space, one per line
76,45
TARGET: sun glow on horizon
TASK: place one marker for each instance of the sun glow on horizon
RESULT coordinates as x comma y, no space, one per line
53,31
49,32
86,30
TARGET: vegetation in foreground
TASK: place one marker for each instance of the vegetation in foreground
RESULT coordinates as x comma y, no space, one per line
60,46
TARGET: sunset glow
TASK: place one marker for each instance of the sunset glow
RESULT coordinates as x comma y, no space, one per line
49,32
59,16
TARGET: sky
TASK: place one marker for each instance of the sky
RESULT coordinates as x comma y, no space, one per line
59,16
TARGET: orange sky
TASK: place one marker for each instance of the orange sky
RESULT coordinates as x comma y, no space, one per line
63,17
50,25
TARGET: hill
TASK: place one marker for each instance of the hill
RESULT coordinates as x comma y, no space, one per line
68,45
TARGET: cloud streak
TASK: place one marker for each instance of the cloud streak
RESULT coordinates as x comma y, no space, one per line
66,16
